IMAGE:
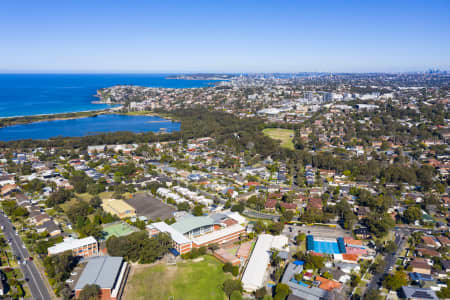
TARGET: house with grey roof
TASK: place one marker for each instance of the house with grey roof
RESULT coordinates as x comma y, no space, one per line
299,289
108,272
415,293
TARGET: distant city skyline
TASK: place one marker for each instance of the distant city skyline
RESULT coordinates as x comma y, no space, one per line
224,37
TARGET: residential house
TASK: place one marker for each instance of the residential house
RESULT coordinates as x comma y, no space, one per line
419,265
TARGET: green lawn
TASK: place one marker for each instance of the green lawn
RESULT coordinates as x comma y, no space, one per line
283,135
187,281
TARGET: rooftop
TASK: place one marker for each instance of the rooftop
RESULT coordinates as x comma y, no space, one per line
190,223
71,243
418,293
102,270
206,238
174,234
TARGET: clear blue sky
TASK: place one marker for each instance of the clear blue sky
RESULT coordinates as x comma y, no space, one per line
224,36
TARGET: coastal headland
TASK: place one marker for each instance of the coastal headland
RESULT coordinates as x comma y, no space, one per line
18,120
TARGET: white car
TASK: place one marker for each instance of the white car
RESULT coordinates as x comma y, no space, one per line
23,246
20,262
69,281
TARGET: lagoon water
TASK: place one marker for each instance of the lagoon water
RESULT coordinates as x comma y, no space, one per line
33,94
87,126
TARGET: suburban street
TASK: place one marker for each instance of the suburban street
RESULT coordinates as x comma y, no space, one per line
29,269
390,260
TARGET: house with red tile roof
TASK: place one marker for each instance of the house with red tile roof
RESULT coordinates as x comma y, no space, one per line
429,241
288,206
352,258
271,204
328,284
315,203
445,241
423,251
9,189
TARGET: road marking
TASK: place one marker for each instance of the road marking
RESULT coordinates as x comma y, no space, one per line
26,265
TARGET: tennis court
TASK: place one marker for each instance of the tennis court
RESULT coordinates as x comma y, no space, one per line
117,229
326,247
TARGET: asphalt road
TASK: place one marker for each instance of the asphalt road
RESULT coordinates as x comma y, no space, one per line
35,282
390,260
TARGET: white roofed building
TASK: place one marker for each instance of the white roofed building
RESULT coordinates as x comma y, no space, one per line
255,272
87,246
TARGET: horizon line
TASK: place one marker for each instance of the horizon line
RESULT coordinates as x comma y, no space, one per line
205,72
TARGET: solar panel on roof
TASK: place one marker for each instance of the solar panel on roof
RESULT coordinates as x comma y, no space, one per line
421,294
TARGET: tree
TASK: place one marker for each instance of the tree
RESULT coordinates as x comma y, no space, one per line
276,228
239,207
282,291
230,285
444,293
372,294
58,267
198,210
90,292
95,188
183,206
390,247
379,224
59,197
138,247
236,295
259,227
395,281
260,293
96,202
355,280
256,203
227,267
287,216
314,262
300,238
412,214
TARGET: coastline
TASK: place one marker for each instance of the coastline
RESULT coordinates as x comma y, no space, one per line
22,120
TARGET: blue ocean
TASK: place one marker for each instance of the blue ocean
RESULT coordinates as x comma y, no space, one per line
33,94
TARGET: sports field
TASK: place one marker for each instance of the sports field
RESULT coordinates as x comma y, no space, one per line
186,280
118,229
283,135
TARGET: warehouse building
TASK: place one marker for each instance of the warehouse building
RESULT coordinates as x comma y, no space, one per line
108,272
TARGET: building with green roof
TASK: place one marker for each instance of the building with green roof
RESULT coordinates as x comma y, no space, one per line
192,226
